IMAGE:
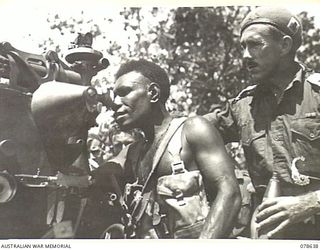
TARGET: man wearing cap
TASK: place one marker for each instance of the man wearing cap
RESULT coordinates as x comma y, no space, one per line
278,123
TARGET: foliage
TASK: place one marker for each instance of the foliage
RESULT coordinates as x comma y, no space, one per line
199,48
206,56
309,52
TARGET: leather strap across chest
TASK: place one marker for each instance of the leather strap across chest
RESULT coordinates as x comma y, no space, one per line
139,209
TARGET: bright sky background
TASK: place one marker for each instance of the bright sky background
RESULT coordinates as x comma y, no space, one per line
24,23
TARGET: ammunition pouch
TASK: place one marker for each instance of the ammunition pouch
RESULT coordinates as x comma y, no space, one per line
183,197
247,204
143,216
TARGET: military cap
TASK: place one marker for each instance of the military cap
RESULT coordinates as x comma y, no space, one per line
280,18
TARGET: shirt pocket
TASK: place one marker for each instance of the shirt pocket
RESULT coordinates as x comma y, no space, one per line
306,142
249,134
306,128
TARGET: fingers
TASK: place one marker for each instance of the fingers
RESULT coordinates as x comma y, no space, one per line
266,212
267,203
278,229
272,220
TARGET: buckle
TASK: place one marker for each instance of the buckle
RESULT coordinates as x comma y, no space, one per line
178,167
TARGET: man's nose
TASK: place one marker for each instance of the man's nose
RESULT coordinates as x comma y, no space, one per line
246,53
116,103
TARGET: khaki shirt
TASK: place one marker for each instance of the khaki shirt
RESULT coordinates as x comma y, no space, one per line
292,122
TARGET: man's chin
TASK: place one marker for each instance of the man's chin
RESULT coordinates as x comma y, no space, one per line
124,126
257,78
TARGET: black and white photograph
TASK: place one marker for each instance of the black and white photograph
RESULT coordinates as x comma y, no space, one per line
127,122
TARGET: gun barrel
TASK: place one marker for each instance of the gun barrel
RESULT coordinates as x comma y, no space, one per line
63,75
40,177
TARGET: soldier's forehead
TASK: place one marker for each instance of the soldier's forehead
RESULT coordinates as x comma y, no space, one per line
256,31
258,28
130,79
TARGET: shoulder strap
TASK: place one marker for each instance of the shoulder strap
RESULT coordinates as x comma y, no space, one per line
174,148
140,207
173,127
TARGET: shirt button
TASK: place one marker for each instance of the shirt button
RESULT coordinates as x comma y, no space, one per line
312,135
276,138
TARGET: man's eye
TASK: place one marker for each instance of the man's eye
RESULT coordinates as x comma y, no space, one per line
123,92
254,44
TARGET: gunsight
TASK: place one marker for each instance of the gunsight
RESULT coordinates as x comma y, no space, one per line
85,58
46,110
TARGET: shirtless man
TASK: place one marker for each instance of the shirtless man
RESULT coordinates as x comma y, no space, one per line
141,90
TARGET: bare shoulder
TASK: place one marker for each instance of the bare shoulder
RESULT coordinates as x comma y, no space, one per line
199,128
194,121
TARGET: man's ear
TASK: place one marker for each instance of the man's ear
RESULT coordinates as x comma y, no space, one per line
286,45
154,92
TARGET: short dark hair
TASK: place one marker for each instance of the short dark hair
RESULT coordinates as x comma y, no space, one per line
149,70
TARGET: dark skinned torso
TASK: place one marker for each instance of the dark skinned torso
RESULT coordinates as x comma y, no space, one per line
164,167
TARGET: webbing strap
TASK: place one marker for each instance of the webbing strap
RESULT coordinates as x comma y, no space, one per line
174,148
174,125
140,207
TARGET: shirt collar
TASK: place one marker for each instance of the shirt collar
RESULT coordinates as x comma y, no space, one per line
298,78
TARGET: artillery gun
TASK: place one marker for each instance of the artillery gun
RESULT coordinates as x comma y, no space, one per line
46,109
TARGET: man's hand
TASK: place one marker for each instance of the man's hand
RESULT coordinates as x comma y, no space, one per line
281,212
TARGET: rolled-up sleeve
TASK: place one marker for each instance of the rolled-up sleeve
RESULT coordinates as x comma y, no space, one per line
223,118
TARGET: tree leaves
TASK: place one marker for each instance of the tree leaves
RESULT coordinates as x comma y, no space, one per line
199,48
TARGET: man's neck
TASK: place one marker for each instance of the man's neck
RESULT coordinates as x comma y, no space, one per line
282,78
156,125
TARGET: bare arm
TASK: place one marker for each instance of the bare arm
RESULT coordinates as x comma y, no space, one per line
217,169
